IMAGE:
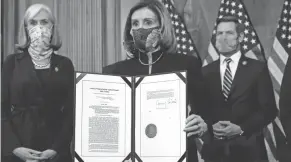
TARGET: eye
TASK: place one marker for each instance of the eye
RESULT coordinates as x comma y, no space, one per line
32,22
44,22
148,22
218,33
134,23
230,32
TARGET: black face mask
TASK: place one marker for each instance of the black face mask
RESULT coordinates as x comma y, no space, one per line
140,37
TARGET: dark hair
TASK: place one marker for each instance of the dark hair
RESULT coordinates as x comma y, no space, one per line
168,39
238,26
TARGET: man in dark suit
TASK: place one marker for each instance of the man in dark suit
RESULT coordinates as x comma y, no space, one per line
241,99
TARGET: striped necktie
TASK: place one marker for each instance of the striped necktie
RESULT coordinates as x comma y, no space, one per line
227,80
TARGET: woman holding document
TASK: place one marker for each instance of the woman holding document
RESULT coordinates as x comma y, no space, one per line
149,37
37,94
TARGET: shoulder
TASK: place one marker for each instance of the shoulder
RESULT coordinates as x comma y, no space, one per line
210,68
10,59
254,62
62,58
115,68
188,60
63,61
256,65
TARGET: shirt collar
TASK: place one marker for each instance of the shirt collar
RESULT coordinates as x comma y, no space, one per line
235,57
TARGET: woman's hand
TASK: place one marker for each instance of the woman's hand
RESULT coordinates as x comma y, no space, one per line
195,126
48,154
26,154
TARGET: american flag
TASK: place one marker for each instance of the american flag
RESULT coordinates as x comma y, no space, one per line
250,46
278,59
185,44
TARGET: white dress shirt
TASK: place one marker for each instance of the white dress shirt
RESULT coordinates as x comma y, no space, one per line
233,65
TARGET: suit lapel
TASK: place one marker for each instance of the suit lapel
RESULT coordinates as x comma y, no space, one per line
240,78
216,80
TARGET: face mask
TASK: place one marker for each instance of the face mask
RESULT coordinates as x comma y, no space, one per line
140,38
39,48
40,37
225,46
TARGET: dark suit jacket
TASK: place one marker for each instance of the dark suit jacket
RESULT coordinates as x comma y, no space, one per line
37,114
285,113
170,63
251,105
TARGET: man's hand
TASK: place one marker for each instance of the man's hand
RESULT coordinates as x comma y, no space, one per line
26,154
225,129
195,126
48,154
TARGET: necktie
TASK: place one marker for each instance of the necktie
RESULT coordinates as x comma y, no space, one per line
227,80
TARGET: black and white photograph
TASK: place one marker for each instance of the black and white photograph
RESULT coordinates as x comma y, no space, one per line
145,80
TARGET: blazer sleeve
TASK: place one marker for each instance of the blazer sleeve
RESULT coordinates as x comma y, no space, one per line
267,110
9,139
197,93
64,138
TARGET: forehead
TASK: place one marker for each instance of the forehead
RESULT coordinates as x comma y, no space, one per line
143,13
226,26
42,14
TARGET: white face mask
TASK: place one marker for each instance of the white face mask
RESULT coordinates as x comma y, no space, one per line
40,37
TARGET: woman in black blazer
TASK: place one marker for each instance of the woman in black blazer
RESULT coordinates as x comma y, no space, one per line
37,94
149,37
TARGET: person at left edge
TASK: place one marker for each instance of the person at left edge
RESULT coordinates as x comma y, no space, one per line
149,37
37,94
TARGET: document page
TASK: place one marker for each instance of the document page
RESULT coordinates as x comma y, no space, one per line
160,118
103,118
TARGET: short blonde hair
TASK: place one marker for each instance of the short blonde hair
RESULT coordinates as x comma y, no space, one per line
168,41
23,37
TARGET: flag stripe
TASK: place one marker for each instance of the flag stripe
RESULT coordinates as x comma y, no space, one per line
212,55
258,52
278,63
280,51
269,142
185,43
275,71
251,54
279,124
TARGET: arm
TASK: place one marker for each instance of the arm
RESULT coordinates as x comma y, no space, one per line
64,137
7,72
267,110
197,93
9,138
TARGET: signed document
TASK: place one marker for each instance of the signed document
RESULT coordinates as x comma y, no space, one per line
160,118
138,117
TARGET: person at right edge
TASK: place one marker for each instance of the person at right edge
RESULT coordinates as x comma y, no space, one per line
241,99
150,37
284,149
